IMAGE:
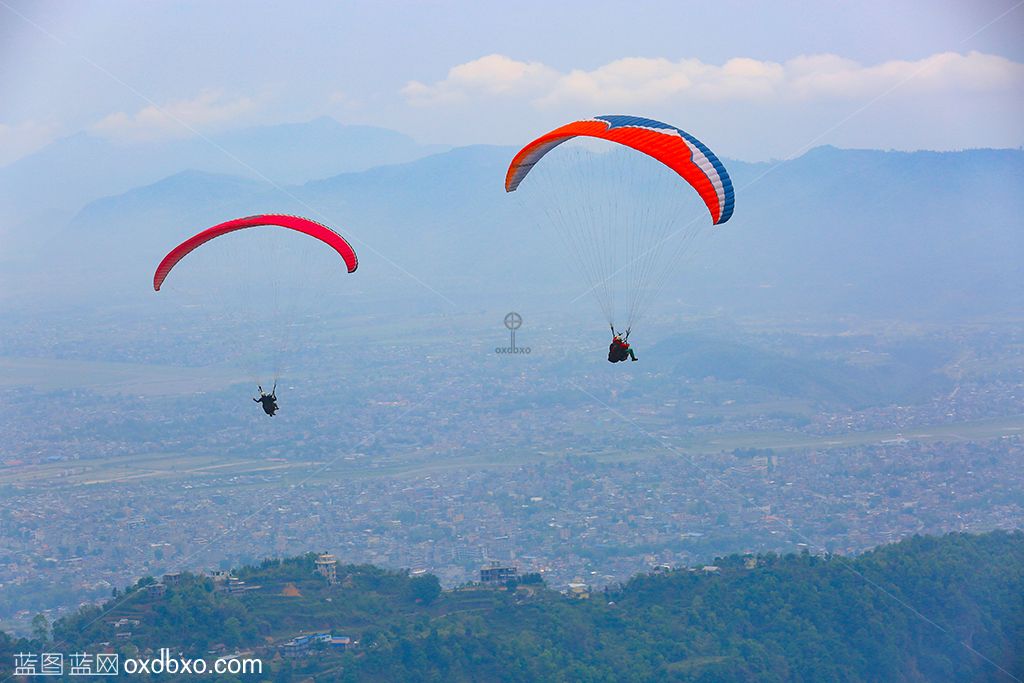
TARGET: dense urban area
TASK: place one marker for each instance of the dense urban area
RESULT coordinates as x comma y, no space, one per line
444,467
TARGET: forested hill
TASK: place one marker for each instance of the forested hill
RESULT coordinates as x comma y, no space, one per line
925,609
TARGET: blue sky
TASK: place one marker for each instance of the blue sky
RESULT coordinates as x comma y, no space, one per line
755,80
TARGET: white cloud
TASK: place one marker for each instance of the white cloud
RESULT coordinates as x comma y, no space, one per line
640,81
493,75
178,119
645,81
946,72
17,141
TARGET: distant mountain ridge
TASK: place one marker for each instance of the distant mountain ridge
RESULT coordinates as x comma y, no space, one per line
74,170
924,235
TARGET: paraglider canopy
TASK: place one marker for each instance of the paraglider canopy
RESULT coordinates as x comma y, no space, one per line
297,223
627,195
674,147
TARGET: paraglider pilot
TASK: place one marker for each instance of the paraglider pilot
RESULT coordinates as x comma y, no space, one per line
619,349
268,401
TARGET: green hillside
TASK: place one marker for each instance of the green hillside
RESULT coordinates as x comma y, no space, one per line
925,609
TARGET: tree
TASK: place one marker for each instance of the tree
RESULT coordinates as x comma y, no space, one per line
40,628
425,588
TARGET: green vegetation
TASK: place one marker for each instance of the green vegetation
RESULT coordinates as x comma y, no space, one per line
925,609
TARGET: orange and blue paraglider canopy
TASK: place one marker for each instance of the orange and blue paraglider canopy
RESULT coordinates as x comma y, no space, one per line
674,147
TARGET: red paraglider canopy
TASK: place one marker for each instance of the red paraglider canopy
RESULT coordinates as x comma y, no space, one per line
297,223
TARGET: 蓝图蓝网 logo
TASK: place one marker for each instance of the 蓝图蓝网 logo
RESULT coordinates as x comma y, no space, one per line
513,321
108,664
52,664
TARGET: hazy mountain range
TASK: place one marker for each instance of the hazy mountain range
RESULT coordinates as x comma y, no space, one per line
833,232
74,170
